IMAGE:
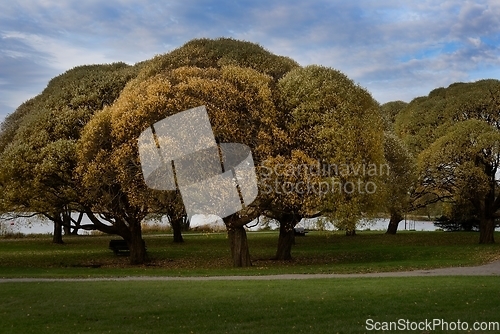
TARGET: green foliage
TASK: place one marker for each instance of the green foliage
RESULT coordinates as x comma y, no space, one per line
455,130
402,174
462,166
38,141
389,112
215,53
463,162
337,123
425,119
12,122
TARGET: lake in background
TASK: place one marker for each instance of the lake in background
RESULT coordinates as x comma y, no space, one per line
36,225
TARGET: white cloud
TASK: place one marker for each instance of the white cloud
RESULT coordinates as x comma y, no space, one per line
61,55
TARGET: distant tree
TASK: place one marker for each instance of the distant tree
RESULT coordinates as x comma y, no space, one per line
462,166
427,118
389,112
425,124
400,180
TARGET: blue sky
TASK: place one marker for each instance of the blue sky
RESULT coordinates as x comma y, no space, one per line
396,49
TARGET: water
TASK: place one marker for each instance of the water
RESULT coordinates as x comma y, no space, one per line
379,224
33,225
39,225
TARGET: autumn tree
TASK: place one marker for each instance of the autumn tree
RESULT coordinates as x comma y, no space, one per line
290,191
334,133
401,177
240,107
38,141
216,53
233,79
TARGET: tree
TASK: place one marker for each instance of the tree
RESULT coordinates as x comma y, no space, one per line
240,107
462,165
427,119
233,79
290,188
101,187
335,131
389,112
38,141
400,180
338,124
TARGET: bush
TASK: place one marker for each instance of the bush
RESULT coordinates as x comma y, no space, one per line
453,225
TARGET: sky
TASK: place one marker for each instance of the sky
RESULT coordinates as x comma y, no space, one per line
397,50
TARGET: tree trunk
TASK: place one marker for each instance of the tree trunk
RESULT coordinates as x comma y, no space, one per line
487,231
350,233
392,228
239,246
285,241
488,208
136,244
67,230
57,237
66,218
177,229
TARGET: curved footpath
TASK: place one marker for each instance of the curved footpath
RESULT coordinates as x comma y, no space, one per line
490,269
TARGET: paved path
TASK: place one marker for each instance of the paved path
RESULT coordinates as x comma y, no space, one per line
490,269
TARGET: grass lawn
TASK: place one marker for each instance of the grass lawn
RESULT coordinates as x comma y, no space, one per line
307,306
312,306
208,254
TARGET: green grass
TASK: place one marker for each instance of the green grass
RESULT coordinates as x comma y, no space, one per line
290,306
208,254
285,306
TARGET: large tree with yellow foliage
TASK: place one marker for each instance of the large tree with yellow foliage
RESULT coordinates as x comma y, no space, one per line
232,79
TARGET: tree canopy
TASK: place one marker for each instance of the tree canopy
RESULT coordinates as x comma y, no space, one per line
454,132
240,103
38,141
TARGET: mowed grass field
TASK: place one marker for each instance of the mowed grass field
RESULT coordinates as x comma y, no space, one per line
288,306
208,254
346,305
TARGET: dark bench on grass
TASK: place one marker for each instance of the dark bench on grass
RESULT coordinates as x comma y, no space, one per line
300,231
118,246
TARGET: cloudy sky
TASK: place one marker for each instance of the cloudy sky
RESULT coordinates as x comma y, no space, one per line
396,49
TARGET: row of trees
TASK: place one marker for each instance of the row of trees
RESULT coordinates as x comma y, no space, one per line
73,148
